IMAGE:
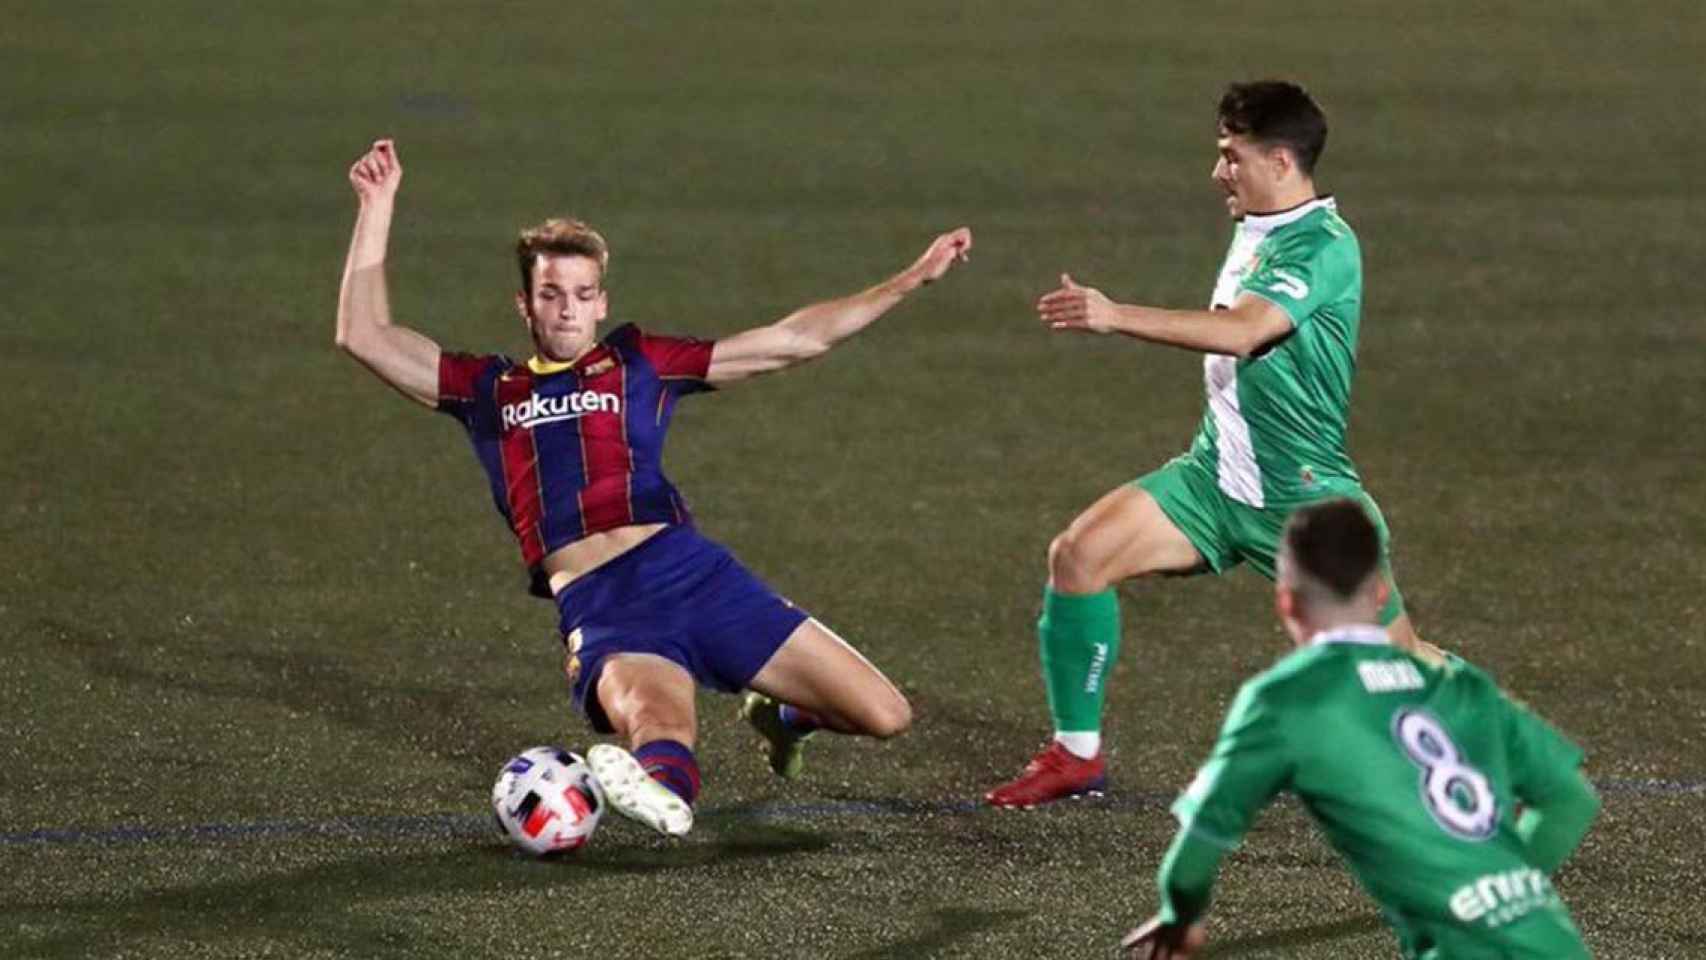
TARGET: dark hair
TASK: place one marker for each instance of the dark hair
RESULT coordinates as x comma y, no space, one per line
1276,114
1335,544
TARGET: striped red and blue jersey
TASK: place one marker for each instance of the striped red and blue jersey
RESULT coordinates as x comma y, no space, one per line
571,450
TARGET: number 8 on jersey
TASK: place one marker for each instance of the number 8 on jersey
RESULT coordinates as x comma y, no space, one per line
1457,795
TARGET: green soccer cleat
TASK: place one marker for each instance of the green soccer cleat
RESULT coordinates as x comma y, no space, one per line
785,748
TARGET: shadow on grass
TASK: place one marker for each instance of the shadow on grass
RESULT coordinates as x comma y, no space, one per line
973,744
952,926
324,906
1311,935
447,723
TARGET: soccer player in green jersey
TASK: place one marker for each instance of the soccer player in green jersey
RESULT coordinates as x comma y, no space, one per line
1280,351
1414,772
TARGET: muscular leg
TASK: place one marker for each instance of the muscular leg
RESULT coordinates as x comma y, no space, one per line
1400,629
649,701
818,672
647,698
1122,535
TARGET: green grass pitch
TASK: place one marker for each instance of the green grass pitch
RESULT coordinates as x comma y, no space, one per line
263,642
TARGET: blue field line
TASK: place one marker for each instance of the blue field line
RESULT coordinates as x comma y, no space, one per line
436,824
466,824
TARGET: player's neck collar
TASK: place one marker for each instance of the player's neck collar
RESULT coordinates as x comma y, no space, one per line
1356,633
1279,218
542,367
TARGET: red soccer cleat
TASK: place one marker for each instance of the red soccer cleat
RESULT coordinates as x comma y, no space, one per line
1054,774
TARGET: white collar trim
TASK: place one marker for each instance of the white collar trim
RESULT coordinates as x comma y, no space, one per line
1373,636
1269,222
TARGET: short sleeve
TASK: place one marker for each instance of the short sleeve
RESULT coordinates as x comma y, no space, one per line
682,363
1300,275
458,376
1249,765
1542,760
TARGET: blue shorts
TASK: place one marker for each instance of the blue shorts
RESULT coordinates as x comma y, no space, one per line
678,596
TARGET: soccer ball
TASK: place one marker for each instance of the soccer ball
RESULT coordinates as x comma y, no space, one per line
547,801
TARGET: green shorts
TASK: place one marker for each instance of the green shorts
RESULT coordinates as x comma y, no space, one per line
1227,533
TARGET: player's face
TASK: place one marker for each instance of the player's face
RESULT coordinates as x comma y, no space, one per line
567,303
1247,171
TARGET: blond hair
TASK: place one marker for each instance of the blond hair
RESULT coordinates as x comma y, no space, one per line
563,237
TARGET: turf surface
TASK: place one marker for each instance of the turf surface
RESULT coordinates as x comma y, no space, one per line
264,643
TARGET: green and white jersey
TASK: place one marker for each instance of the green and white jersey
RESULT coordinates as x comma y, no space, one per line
1274,431
1413,772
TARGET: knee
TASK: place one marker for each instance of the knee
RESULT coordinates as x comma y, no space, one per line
891,719
1073,566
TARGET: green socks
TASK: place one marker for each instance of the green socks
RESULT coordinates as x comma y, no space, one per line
1079,637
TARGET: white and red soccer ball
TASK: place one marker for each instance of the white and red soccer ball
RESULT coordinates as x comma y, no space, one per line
547,801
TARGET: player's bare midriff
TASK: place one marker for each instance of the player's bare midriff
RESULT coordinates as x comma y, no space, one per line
564,564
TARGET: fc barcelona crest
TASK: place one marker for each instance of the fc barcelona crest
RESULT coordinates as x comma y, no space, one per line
572,655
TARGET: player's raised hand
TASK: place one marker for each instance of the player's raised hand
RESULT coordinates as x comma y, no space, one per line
1157,940
376,175
1074,307
946,250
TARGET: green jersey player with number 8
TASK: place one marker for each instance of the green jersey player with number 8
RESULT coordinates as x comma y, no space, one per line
1415,773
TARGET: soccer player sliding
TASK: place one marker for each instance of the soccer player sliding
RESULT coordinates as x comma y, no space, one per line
571,441
1279,345
1415,773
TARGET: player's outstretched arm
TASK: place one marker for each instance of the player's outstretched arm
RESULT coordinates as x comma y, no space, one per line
399,356
811,331
1185,880
1240,331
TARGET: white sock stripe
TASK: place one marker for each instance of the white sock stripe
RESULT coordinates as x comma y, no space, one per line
1081,744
